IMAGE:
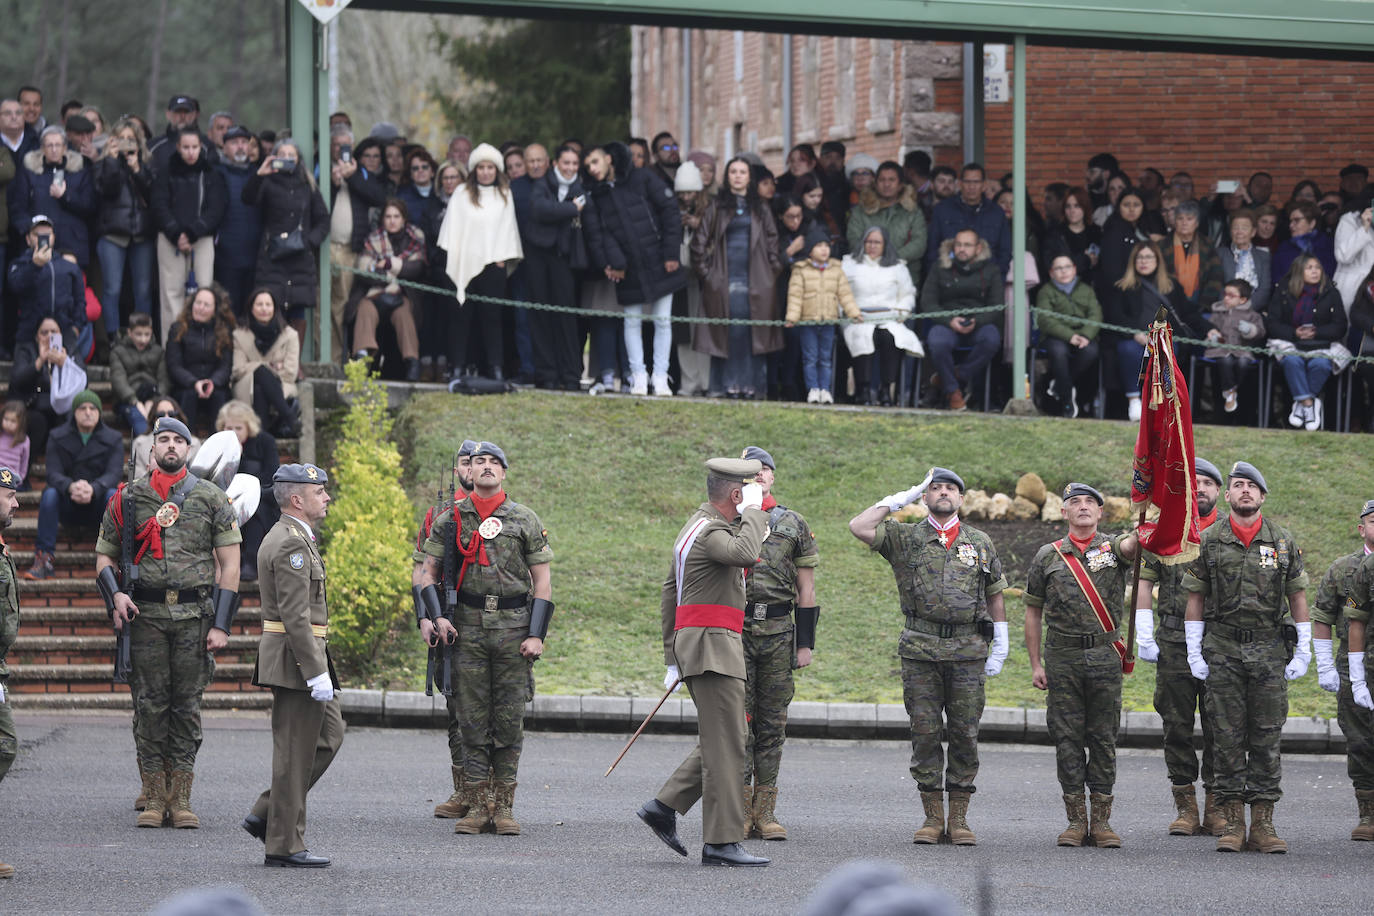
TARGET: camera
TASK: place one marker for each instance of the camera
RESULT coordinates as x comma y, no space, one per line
281,165
44,241
346,153
1228,187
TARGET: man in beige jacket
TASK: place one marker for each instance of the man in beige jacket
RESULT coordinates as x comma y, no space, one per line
703,614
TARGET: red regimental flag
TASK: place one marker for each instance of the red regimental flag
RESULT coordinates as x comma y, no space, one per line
1163,473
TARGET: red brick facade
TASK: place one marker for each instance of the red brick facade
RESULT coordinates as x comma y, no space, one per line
1217,117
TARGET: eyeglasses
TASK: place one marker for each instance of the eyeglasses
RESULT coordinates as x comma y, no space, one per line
164,413
668,148
420,167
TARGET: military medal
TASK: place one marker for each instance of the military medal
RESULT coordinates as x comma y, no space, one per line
944,539
167,515
489,528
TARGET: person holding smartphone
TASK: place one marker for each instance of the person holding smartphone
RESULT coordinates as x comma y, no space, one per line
55,181
124,184
49,286
1308,314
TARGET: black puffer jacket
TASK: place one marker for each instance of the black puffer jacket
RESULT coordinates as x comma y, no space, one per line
289,202
553,221
192,357
366,191
1136,308
632,224
1329,319
189,199
124,197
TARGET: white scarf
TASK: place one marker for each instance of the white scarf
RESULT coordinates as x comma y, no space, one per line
563,184
477,236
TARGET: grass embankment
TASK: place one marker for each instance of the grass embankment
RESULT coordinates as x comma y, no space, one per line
613,480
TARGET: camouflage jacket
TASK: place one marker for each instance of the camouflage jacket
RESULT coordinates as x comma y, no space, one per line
207,521
1247,587
1052,586
1337,585
9,612
1173,597
1359,604
521,543
790,545
940,585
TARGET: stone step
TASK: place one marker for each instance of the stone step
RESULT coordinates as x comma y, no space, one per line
85,586
79,614
21,674
252,698
48,643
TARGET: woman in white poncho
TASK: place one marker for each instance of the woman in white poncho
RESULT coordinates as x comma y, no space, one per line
482,242
885,294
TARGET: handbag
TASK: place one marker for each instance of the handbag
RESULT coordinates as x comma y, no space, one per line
576,254
385,302
286,244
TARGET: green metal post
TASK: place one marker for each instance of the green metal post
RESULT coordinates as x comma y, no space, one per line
1020,307
323,312
302,48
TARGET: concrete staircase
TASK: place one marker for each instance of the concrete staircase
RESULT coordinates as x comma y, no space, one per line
63,656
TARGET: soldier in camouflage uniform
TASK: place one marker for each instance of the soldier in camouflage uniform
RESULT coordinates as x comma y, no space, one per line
180,527
1243,643
950,582
1337,600
9,630
503,613
432,629
784,578
1180,697
1083,656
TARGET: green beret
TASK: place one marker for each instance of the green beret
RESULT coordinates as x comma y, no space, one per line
300,473
1244,470
742,470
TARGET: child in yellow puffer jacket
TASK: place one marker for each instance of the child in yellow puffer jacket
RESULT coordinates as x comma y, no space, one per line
818,291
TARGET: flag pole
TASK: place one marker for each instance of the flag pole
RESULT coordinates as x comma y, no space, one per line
1128,663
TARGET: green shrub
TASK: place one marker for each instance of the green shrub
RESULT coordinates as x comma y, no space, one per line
365,547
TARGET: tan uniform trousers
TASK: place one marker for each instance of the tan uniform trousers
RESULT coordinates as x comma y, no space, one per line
714,771
340,286
306,734
172,268
402,318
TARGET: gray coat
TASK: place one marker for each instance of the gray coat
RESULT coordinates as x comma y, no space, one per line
1260,298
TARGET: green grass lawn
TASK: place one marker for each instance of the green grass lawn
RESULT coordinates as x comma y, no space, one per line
613,480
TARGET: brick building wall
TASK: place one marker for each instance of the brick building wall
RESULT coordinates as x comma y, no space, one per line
1217,117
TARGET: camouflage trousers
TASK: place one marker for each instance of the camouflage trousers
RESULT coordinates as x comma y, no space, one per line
494,684
171,669
1083,715
768,688
943,698
9,738
455,732
1179,698
1247,697
1357,724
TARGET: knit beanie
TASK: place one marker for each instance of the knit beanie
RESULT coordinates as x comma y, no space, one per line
86,397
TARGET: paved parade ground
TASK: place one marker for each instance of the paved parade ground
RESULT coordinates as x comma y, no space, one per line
68,827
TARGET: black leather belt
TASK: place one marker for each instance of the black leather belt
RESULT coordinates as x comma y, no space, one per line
1075,641
756,611
172,595
1243,634
941,630
493,602
1170,622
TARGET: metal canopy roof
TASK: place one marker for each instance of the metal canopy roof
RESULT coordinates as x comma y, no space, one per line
1318,27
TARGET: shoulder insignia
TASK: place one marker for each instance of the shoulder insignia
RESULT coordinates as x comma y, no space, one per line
297,560
544,532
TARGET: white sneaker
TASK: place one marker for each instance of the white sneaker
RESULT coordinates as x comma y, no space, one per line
639,383
827,397
1232,400
1314,415
813,396
1133,409
1297,416
661,387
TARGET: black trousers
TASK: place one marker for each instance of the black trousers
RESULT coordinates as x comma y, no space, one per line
201,412
1068,364
553,335
885,348
486,318
269,399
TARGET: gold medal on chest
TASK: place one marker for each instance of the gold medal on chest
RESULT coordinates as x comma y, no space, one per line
490,528
167,515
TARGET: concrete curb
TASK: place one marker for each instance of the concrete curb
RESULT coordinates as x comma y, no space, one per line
413,709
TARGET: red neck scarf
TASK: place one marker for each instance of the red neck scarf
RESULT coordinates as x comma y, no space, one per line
1083,545
769,503
1205,521
162,482
476,550
1246,533
149,535
948,532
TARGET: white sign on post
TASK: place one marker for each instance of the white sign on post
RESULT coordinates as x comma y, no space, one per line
994,58
324,10
996,87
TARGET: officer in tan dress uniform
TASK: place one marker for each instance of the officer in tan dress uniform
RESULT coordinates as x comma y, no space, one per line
703,614
293,659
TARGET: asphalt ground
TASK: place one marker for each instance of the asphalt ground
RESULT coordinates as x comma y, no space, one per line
67,825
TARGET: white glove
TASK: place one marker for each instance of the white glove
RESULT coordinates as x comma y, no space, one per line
997,652
1328,678
672,676
2,693
904,498
320,688
1246,328
1302,655
753,497
1192,633
1145,635
1357,685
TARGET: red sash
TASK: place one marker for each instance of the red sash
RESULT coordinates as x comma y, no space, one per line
709,615
1095,601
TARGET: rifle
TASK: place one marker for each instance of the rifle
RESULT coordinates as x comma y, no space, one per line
450,573
432,662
